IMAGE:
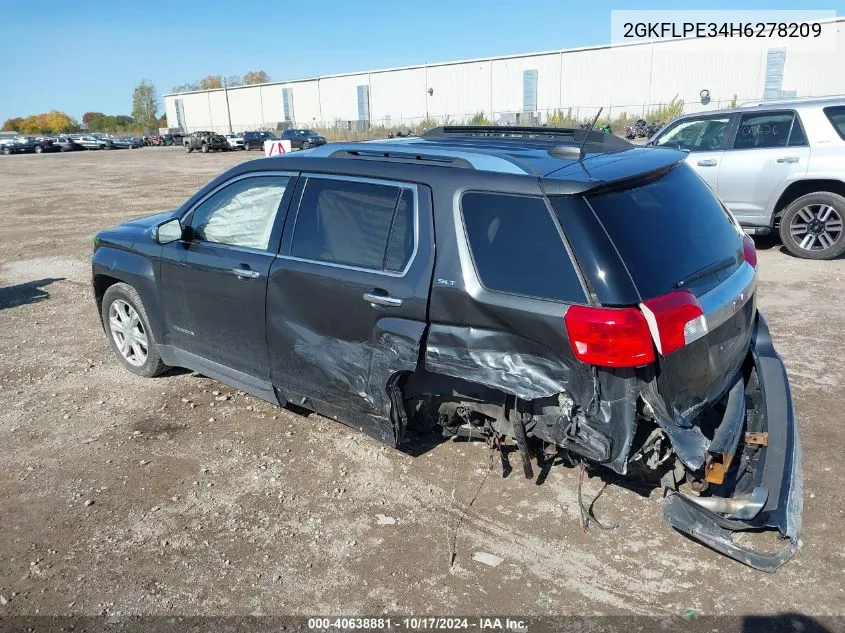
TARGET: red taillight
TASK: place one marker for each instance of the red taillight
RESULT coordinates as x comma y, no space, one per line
611,337
749,250
675,319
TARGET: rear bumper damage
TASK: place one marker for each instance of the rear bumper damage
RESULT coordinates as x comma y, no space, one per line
776,498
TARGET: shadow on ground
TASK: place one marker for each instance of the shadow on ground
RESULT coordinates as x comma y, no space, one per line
23,294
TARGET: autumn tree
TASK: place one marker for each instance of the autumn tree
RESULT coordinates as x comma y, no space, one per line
145,104
211,82
89,116
13,125
55,122
186,87
256,77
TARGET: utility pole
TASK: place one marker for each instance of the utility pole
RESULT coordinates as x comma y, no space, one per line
228,112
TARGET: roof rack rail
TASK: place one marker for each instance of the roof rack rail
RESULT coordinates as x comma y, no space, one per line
507,131
403,157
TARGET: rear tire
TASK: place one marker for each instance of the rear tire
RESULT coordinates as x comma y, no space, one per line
812,226
128,328
204,148
188,149
306,145
38,149
247,147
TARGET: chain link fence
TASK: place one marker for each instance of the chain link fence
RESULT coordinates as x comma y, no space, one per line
616,116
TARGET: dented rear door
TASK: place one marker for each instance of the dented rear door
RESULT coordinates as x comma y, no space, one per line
347,297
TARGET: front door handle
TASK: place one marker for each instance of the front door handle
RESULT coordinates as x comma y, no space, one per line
788,159
707,163
245,273
382,300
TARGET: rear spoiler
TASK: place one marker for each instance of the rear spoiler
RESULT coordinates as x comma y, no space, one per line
620,171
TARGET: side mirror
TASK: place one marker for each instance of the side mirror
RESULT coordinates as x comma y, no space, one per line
167,232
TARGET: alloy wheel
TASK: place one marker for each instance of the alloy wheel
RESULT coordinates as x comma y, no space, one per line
128,332
816,227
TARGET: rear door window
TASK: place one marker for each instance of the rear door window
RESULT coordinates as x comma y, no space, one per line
706,134
762,130
355,223
517,248
836,116
668,229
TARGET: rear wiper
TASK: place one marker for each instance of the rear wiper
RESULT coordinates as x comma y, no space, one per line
707,270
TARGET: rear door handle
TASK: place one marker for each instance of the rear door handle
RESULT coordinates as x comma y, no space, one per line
788,159
707,163
246,273
382,300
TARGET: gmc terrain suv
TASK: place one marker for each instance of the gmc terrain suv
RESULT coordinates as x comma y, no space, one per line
776,165
591,300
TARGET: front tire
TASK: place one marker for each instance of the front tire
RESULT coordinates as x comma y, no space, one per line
38,149
204,148
128,328
812,226
306,145
188,149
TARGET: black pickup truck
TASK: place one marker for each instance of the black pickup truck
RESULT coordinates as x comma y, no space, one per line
205,142
588,300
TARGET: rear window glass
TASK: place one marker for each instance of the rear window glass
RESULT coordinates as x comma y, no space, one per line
836,116
517,249
668,229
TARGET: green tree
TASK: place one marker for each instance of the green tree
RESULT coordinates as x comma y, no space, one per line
211,82
145,104
256,77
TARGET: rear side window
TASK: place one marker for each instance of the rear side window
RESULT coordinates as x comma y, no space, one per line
836,116
517,249
760,130
668,229
352,223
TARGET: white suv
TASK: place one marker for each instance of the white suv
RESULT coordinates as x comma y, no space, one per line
777,165
234,141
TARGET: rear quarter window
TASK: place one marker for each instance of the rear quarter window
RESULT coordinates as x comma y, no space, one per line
517,248
668,229
836,116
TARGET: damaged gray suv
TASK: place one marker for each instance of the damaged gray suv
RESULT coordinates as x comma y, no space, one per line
559,287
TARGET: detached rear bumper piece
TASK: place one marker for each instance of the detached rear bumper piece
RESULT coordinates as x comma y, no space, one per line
777,499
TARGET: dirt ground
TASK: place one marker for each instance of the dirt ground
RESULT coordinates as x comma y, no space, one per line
179,495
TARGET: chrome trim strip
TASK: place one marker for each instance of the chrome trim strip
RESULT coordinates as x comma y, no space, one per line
375,181
729,297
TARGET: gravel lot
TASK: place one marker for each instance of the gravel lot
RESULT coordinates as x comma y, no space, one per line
179,495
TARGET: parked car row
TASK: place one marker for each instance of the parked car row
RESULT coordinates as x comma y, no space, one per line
66,143
205,141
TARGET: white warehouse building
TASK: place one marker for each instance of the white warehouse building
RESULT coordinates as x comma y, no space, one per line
631,78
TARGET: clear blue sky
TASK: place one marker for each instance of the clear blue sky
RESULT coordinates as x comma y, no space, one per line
86,55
